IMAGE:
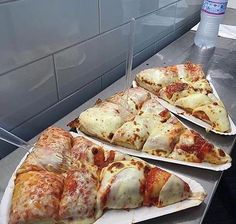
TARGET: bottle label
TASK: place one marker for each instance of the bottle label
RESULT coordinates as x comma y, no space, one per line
214,7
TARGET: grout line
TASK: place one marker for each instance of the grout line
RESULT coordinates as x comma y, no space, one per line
7,1
99,17
176,8
56,77
26,64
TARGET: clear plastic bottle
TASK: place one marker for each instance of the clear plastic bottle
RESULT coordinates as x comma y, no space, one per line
212,14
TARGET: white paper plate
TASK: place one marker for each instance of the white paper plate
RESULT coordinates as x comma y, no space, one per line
118,216
141,154
189,117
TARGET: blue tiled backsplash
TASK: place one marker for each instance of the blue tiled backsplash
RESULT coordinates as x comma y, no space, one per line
55,55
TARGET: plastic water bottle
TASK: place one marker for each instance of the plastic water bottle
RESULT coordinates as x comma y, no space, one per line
212,14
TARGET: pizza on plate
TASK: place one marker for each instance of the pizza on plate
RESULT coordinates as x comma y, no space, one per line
94,180
184,86
151,129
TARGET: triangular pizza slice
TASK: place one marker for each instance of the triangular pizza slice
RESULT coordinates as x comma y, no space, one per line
186,87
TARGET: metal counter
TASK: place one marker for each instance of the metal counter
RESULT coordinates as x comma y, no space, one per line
220,64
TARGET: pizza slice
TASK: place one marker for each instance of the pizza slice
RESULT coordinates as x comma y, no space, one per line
192,147
214,114
131,184
132,99
102,120
189,103
78,200
49,151
163,188
121,184
163,138
87,152
156,78
174,91
133,134
36,198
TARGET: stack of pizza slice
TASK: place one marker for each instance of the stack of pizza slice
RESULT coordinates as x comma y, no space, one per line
184,86
134,119
74,181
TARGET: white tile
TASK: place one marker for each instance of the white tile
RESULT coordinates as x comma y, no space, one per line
186,11
79,65
117,12
31,29
26,91
154,26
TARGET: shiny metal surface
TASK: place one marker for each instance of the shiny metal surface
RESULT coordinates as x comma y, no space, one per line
220,65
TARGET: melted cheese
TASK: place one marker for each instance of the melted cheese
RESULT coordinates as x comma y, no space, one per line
217,156
182,155
193,101
154,79
202,86
176,95
78,200
217,115
49,151
102,121
132,99
163,138
190,72
36,197
120,186
132,134
172,192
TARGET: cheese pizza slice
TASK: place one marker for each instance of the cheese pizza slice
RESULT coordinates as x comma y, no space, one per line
163,138
214,114
49,151
87,152
174,91
133,134
189,103
132,99
78,201
36,198
192,147
163,188
155,78
102,120
121,185
130,184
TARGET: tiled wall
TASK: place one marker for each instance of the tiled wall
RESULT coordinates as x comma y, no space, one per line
55,55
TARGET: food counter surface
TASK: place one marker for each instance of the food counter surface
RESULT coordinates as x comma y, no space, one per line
220,65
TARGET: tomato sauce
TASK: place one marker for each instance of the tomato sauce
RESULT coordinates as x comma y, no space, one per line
175,87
